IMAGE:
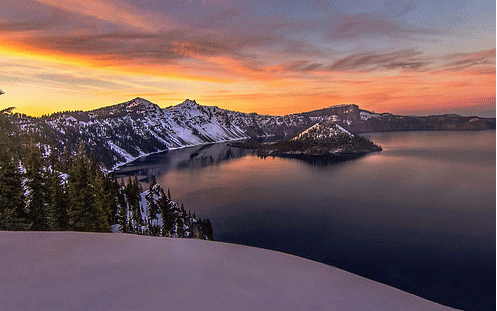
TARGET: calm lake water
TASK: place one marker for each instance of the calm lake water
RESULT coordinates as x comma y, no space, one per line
419,216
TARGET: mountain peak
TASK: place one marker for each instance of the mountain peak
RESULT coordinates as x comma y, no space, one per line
140,104
323,131
189,102
139,101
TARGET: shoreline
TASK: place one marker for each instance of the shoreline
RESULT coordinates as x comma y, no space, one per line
118,165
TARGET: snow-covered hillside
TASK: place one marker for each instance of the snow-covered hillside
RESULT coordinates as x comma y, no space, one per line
123,132
323,131
91,271
324,140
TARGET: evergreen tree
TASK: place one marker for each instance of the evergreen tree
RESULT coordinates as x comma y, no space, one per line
106,200
59,218
209,232
85,212
167,216
153,199
12,212
122,209
134,198
37,194
180,229
114,186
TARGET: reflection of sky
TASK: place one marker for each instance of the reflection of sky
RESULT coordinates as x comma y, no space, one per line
264,56
425,205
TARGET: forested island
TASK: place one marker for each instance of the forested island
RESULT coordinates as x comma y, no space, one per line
324,141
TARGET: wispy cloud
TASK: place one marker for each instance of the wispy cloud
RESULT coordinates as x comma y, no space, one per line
483,61
354,26
117,12
369,61
343,48
30,25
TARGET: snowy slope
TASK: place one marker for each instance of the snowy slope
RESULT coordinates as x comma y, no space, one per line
91,271
123,132
323,131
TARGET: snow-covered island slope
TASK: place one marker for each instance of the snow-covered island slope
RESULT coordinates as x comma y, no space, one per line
331,138
325,141
91,271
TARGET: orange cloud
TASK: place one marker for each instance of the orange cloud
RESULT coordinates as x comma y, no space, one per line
121,13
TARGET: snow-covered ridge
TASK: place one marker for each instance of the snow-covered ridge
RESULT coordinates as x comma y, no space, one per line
323,131
122,132
95,271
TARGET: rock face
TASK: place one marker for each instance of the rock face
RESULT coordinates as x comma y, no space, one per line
125,131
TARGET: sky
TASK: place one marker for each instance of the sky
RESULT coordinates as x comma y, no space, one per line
409,57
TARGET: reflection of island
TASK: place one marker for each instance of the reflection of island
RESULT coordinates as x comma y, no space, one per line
181,159
322,143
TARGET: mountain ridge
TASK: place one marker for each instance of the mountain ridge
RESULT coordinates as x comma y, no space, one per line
122,132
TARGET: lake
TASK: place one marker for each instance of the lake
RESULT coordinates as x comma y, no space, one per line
419,216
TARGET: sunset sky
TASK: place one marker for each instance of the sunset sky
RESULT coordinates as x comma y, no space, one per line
271,57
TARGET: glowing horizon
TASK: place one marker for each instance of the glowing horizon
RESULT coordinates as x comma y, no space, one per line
262,56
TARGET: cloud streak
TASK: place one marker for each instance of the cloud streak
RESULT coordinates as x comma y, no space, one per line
355,26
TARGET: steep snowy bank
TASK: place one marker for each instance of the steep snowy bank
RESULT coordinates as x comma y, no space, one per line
90,271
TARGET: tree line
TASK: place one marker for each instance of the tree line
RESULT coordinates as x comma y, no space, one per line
43,191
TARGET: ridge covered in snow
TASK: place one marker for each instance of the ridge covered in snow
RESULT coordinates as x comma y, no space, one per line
323,131
123,132
325,141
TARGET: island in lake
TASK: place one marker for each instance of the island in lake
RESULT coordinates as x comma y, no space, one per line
324,141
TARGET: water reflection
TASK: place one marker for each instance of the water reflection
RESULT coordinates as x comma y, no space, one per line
181,159
419,216
197,157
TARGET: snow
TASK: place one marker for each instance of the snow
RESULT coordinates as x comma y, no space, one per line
366,115
95,271
120,151
323,131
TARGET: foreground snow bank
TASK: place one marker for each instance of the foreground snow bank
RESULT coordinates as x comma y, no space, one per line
91,271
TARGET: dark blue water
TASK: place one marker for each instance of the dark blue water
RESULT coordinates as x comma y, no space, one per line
419,216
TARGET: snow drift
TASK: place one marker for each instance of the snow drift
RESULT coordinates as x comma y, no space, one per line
91,271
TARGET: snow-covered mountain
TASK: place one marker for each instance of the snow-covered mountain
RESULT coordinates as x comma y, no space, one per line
322,141
123,132
323,131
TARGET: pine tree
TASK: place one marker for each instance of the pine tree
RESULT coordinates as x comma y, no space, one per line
134,198
12,213
209,232
122,209
85,212
180,230
105,201
36,203
167,216
153,198
59,218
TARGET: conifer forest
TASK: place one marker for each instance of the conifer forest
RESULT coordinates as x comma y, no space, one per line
45,191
